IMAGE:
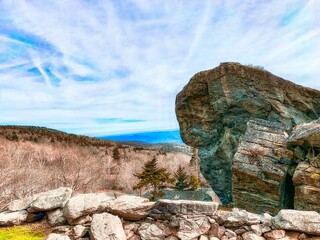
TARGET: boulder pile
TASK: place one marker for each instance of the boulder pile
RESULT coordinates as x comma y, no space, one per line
101,216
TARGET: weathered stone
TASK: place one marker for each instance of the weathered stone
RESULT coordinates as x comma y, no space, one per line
306,133
261,182
13,218
52,199
214,107
21,204
130,207
185,207
237,218
150,231
216,230
192,226
259,229
55,236
171,238
55,217
302,221
79,231
204,237
307,187
84,204
251,236
105,226
202,194
275,234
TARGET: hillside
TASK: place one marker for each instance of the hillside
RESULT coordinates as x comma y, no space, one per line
34,159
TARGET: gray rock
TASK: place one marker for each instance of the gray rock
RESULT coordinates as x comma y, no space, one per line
21,204
237,218
215,106
13,218
260,168
185,207
55,217
105,226
130,207
150,231
191,227
55,236
302,221
84,204
49,200
306,133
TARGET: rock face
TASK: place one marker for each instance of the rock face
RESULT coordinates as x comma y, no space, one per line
214,107
260,169
305,143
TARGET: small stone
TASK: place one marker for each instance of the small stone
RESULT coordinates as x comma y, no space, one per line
251,236
79,231
275,234
229,233
55,236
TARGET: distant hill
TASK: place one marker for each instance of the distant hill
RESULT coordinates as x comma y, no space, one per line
172,136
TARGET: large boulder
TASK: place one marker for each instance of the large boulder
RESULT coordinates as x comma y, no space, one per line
105,226
130,207
49,200
84,204
215,106
13,218
302,221
261,177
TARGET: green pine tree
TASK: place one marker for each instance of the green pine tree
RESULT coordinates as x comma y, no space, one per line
154,177
181,178
194,183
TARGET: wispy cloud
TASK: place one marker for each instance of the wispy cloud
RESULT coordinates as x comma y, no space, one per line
67,64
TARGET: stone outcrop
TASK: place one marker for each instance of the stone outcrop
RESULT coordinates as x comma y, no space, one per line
174,220
304,141
215,106
261,168
307,187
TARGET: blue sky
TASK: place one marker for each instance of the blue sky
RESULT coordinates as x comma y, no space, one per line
109,67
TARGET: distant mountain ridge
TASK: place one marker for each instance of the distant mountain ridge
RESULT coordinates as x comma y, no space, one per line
171,136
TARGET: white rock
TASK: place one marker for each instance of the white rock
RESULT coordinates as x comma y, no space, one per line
237,218
21,204
301,221
49,200
192,226
171,238
79,231
13,218
84,204
203,237
259,229
213,238
55,217
150,231
130,207
105,226
55,236
251,236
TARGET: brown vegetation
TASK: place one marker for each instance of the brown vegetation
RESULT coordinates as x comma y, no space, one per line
33,160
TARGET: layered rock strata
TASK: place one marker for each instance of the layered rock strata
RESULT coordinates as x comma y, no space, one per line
214,107
260,170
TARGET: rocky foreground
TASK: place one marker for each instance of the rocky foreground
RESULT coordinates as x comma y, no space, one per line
103,216
258,137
